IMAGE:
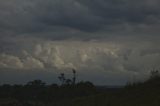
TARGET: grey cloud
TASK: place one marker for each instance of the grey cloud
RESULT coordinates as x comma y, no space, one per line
8,61
34,15
57,19
124,10
15,62
87,35
104,59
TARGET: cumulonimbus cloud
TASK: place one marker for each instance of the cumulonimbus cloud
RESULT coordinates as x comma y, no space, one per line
92,59
93,36
79,54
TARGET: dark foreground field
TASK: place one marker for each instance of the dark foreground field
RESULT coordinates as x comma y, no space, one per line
36,93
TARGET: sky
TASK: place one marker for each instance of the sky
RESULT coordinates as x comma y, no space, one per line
108,42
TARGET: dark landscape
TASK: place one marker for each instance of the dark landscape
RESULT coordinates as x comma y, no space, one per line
36,93
79,52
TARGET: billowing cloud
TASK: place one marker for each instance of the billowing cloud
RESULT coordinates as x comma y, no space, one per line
9,61
111,39
13,62
124,59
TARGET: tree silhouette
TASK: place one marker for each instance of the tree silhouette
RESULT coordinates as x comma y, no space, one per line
65,81
154,74
36,83
68,82
62,78
74,76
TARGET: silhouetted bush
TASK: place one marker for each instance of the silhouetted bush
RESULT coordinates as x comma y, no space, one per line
84,93
37,90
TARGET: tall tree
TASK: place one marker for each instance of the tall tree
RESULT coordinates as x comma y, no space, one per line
74,76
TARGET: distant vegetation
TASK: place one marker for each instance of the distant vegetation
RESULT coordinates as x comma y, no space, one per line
70,93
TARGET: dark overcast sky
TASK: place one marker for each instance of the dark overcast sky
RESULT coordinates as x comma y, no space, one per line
107,41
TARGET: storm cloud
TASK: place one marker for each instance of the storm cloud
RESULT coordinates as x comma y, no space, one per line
99,38
91,59
61,19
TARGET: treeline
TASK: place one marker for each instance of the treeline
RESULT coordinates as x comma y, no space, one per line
37,90
72,93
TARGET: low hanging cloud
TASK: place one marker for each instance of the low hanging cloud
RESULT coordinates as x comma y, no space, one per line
14,62
9,61
121,60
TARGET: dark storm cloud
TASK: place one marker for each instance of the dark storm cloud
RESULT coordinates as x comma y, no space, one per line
59,18
124,10
32,15
112,39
